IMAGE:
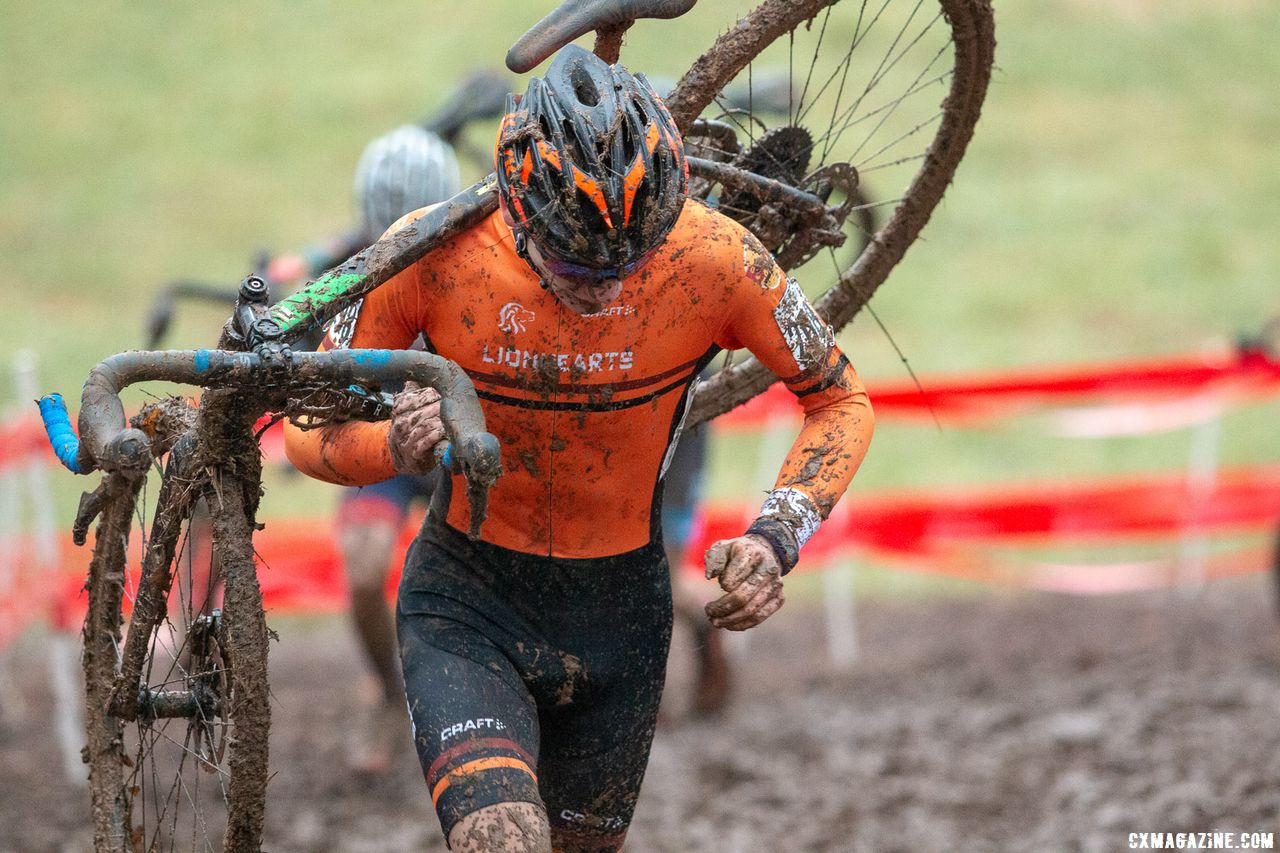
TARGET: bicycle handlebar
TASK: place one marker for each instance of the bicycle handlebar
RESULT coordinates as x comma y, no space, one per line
57,426
107,442
481,95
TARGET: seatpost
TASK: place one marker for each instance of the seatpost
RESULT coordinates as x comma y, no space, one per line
609,41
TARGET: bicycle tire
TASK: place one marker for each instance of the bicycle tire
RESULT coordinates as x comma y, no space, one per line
245,647
101,637
970,41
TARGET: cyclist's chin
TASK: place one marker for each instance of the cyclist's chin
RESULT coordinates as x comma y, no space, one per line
590,300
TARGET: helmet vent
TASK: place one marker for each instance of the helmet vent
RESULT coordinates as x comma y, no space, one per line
584,88
571,142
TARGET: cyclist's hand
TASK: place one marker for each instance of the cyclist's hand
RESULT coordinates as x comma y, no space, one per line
751,577
416,428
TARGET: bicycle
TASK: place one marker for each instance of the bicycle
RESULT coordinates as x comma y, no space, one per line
201,694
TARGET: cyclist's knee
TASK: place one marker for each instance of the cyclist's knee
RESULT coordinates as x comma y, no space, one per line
502,828
366,551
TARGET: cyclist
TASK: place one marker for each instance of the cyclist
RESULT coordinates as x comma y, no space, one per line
583,310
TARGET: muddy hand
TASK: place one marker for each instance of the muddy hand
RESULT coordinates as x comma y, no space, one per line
751,577
416,428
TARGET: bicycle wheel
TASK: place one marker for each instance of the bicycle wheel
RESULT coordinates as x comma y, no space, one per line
858,106
188,704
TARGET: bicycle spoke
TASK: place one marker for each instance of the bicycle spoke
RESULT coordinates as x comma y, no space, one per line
859,35
167,797
885,110
842,120
910,159
822,33
140,514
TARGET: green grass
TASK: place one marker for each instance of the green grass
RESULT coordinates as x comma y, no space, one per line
1121,196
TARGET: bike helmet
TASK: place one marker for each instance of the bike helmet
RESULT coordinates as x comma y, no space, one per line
590,165
402,171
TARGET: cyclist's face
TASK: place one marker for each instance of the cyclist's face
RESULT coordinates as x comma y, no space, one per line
582,289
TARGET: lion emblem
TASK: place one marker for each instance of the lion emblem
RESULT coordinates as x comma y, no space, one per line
514,318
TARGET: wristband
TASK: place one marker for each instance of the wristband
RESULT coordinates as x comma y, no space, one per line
780,538
788,518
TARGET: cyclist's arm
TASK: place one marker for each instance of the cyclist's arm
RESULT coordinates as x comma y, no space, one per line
770,316
356,453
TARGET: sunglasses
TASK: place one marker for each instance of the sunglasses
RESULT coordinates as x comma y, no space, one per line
581,274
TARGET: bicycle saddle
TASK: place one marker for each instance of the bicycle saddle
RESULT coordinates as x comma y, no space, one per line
574,18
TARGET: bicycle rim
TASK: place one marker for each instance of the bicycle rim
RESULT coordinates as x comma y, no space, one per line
892,88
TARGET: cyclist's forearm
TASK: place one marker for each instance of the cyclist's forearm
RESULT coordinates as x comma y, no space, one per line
349,454
817,471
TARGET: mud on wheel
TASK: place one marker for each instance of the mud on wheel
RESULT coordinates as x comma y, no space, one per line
177,713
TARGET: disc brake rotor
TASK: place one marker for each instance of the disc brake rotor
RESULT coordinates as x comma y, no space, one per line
801,244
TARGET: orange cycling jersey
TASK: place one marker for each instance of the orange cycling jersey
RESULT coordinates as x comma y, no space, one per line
588,407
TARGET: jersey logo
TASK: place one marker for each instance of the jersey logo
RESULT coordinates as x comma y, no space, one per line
758,265
614,311
342,328
514,318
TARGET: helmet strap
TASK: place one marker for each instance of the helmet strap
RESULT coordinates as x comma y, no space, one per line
522,249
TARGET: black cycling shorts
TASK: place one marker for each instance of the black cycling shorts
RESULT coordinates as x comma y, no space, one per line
533,679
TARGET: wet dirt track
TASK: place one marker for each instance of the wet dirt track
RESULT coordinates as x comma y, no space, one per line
1006,722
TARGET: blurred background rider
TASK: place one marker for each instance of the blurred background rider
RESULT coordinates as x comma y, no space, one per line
398,172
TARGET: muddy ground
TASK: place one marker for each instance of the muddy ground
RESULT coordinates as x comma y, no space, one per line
1004,722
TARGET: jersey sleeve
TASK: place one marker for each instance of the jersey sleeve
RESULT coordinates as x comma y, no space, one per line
356,453
768,314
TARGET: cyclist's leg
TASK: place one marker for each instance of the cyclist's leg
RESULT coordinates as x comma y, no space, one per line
681,493
369,522
504,828
1275,572
713,674
474,721
598,727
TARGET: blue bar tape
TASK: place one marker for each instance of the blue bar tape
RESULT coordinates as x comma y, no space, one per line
373,357
57,426
447,459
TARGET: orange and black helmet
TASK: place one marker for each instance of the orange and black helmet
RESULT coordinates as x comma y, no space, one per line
590,165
